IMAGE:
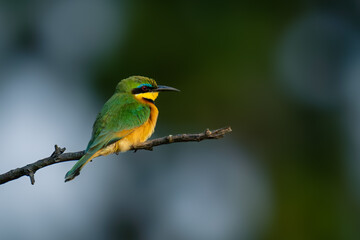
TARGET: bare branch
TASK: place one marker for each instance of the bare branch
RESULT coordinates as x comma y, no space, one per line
59,156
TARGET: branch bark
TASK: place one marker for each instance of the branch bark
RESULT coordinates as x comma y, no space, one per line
59,156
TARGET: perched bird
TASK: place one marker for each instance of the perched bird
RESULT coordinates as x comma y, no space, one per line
127,118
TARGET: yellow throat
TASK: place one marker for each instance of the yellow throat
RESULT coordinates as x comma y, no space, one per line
148,95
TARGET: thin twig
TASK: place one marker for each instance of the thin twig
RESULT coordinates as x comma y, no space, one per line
59,156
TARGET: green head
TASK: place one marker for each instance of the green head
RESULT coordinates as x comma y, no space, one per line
142,87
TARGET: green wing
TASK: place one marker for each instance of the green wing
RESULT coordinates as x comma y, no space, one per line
120,113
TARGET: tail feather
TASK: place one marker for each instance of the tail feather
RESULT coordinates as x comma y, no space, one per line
75,170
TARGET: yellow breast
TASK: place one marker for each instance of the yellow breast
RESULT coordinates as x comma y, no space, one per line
137,135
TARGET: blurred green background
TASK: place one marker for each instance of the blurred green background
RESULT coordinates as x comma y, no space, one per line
284,75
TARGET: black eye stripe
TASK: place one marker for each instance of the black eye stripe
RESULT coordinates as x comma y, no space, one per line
136,91
141,90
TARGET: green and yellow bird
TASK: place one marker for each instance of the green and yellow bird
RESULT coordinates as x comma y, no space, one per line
127,118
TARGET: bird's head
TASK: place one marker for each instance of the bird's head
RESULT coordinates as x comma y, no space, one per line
143,88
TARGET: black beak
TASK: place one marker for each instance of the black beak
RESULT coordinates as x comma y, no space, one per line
161,88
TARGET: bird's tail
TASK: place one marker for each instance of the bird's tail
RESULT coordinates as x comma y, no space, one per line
75,171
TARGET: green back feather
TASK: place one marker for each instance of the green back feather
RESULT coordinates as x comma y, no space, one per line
121,112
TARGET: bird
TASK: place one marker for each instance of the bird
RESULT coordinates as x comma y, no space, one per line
126,119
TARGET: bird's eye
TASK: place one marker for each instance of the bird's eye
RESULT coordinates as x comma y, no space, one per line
144,88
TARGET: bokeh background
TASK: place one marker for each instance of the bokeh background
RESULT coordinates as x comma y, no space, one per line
285,75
